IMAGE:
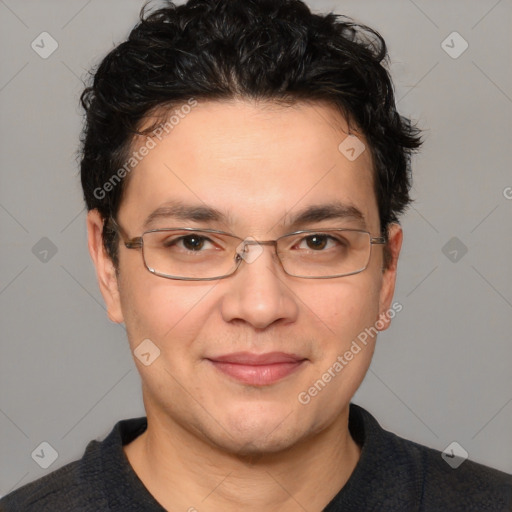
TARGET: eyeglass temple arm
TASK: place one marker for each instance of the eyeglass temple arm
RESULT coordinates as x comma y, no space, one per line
133,243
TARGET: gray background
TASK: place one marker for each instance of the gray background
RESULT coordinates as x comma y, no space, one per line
442,373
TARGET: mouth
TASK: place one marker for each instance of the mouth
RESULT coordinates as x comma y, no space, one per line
258,369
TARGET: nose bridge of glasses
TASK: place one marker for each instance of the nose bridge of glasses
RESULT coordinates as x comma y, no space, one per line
249,256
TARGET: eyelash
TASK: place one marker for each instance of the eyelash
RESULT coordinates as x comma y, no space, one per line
176,240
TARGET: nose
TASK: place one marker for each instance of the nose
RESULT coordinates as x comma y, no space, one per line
257,293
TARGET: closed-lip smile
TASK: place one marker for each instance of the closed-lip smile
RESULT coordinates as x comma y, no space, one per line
257,369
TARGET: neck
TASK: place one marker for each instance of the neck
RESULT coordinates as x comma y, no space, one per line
185,472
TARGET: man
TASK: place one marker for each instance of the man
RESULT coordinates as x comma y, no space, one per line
244,168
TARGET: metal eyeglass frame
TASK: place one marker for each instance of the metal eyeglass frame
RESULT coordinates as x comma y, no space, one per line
137,243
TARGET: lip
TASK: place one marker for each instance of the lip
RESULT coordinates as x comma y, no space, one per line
258,369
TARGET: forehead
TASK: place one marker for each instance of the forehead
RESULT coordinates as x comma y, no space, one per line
258,163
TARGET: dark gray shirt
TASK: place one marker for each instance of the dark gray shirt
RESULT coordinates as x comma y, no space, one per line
392,475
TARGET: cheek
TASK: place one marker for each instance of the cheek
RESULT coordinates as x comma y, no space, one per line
347,310
160,309
344,307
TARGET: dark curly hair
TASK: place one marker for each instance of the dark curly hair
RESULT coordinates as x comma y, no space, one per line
275,50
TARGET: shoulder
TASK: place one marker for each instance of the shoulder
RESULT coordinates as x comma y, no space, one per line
89,484
406,473
63,489
458,482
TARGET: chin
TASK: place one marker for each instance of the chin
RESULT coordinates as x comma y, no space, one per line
249,434
257,444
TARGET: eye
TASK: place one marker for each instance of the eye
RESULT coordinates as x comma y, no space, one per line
192,242
318,242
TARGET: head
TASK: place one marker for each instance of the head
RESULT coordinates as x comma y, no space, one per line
235,114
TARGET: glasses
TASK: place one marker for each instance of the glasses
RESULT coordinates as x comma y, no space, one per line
191,254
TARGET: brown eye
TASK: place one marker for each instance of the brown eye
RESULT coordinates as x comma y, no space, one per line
316,242
193,242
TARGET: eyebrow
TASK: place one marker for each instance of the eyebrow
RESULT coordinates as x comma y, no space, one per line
203,213
330,211
181,211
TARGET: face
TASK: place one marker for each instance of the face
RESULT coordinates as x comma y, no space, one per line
259,167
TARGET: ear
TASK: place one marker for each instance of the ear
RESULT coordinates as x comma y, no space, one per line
394,244
105,270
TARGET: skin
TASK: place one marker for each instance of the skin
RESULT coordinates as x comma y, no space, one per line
214,443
